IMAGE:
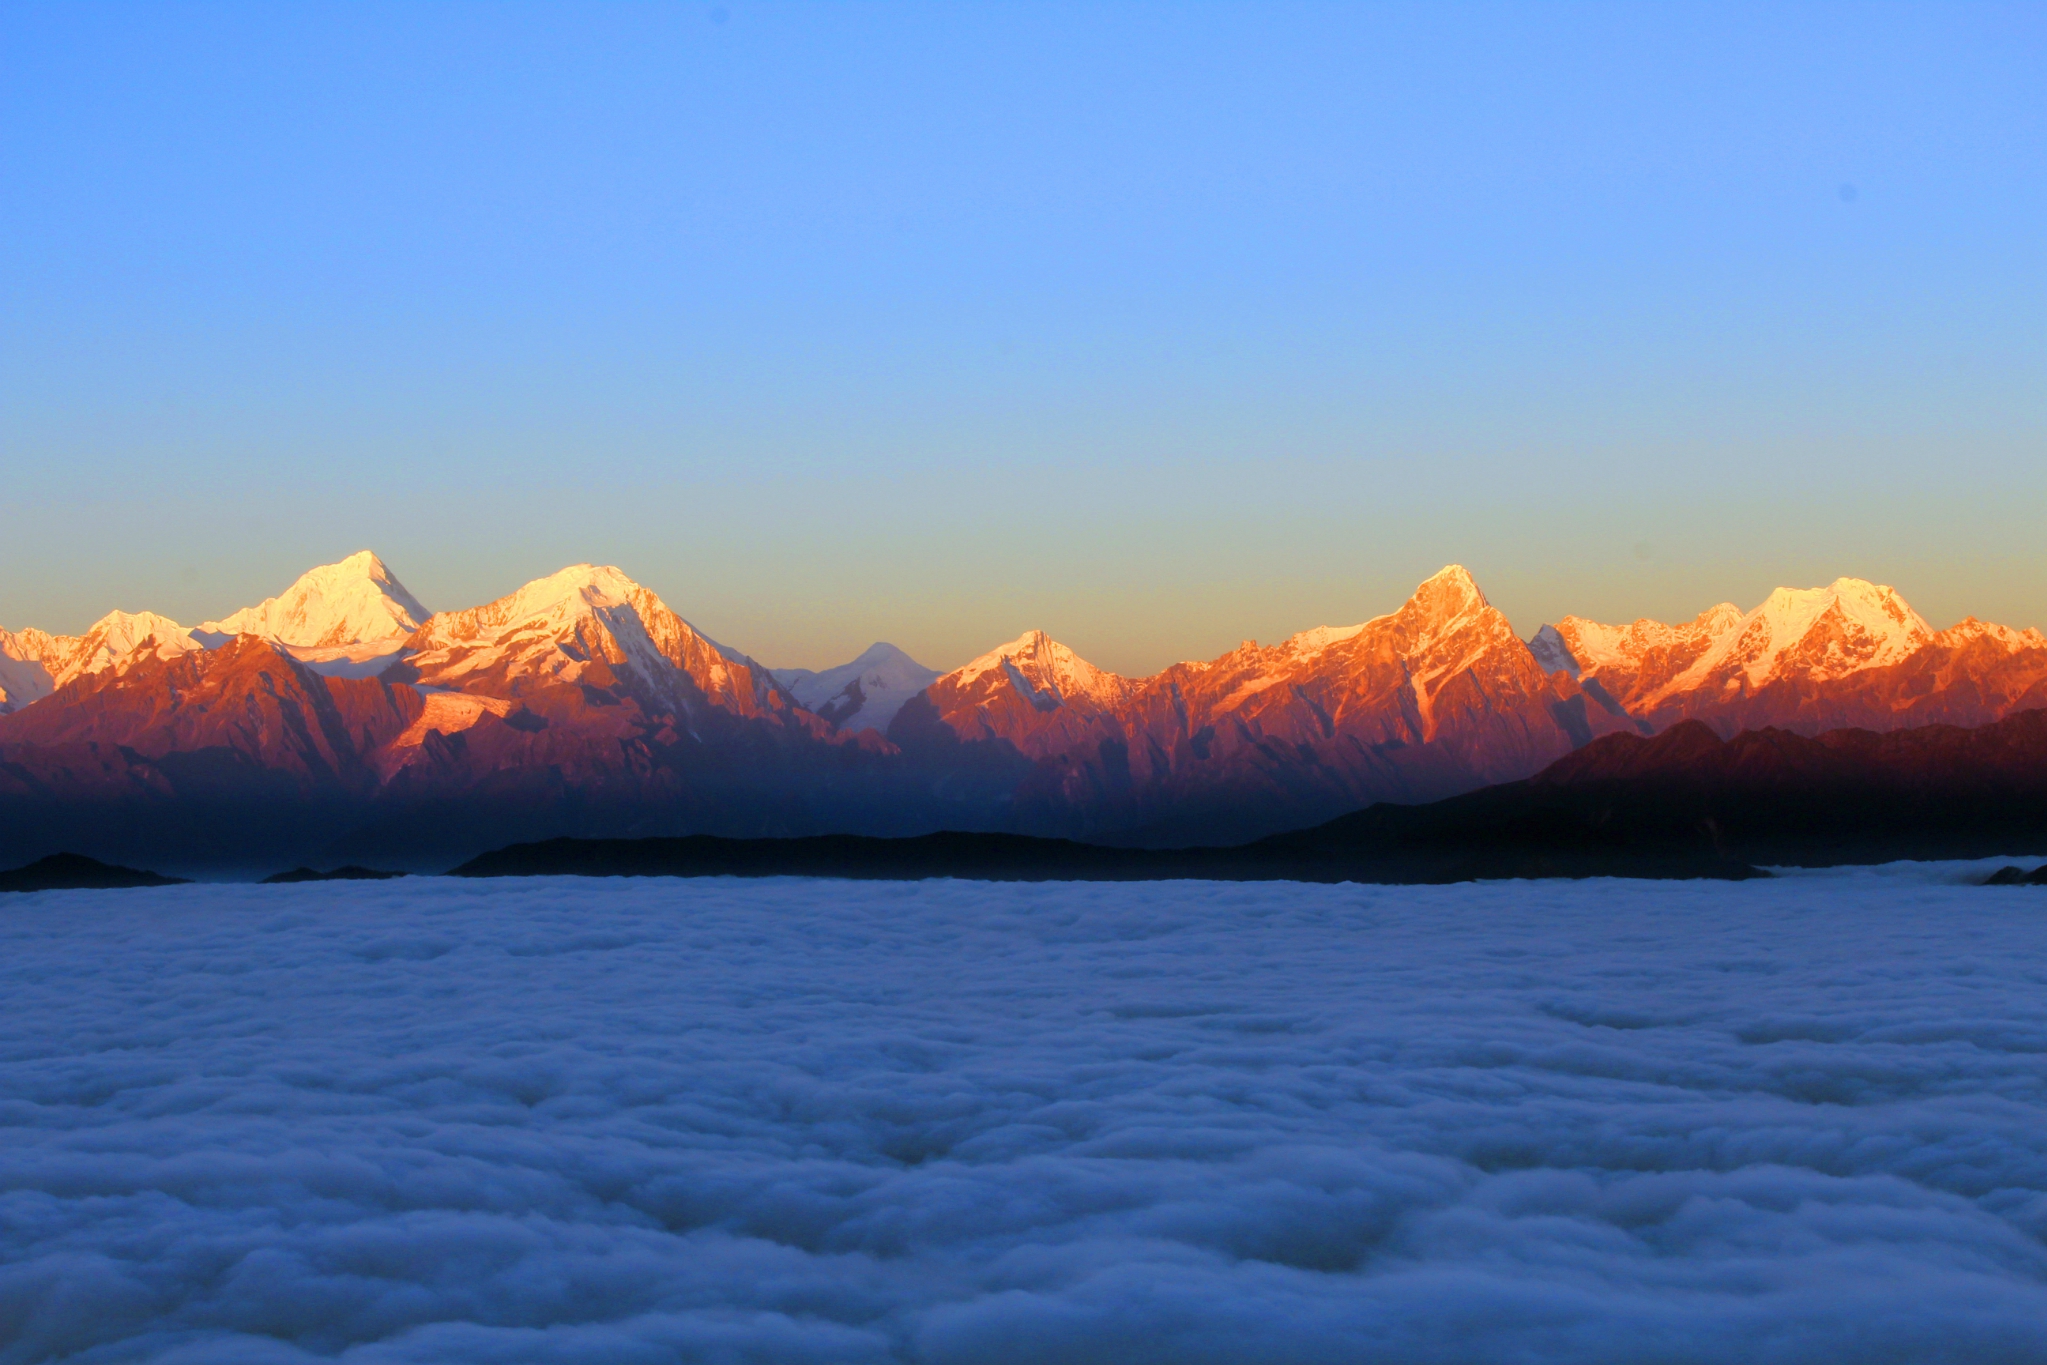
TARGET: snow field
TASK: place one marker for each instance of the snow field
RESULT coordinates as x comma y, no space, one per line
557,1120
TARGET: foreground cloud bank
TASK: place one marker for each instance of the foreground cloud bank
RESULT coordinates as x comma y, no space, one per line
569,1121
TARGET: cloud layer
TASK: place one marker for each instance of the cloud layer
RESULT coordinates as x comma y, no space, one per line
563,1121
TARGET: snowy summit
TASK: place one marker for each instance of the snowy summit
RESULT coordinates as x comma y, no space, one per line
355,607
864,694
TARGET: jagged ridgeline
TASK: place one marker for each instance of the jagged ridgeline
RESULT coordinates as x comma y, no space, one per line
342,721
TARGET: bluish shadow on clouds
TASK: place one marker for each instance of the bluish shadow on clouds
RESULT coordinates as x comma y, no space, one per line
567,1121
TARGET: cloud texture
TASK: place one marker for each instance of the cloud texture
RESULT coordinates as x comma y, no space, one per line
561,1121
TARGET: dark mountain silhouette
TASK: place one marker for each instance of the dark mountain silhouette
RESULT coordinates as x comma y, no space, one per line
1764,797
1682,804
75,872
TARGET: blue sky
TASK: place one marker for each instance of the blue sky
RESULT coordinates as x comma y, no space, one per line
1158,327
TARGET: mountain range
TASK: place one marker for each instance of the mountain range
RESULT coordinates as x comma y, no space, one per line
343,719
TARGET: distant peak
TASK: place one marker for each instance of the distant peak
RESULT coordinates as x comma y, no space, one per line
141,621
360,567
117,636
1027,645
1862,598
1452,579
603,576
353,601
1316,640
364,562
1553,652
863,694
880,652
1817,634
1045,671
586,573
1450,591
1859,589
592,585
1722,615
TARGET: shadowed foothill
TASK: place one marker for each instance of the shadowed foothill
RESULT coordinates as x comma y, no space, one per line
76,872
2017,876
1387,858
339,874
1684,804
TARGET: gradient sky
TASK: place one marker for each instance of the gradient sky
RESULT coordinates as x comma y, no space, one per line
1160,327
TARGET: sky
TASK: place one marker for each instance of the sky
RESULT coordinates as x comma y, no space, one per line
1156,327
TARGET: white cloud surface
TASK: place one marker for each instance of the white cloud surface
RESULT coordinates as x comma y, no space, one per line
560,1121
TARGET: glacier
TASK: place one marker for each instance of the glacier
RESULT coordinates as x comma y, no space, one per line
564,1120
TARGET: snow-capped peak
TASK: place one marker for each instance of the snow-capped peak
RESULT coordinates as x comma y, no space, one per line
116,636
573,625
556,600
2006,638
574,588
1444,608
356,602
1444,605
1314,641
543,610
861,695
1441,604
1046,673
1817,634
1449,592
29,660
1594,648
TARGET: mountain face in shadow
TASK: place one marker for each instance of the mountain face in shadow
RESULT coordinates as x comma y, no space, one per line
1685,804
1764,797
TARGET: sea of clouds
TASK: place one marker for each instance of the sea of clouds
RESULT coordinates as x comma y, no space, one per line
654,1121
